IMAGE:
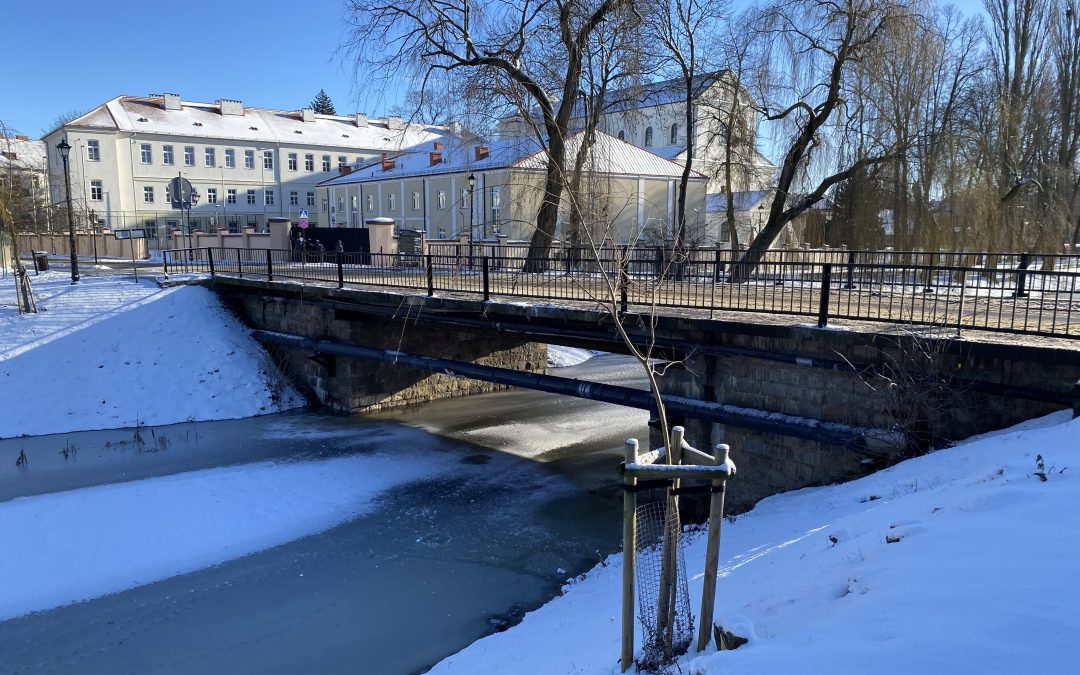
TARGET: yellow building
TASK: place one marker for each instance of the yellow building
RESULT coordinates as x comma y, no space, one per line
451,186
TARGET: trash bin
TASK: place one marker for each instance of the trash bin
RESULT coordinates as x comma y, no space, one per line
41,261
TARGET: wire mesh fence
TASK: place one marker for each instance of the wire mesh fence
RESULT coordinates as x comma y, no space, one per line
660,577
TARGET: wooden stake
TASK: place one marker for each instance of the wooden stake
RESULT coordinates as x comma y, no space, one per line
712,551
629,549
669,551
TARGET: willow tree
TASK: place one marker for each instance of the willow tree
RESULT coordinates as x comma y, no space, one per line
523,41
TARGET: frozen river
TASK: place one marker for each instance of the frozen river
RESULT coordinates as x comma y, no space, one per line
524,498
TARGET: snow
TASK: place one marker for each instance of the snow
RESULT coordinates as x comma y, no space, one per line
959,561
561,357
111,353
81,544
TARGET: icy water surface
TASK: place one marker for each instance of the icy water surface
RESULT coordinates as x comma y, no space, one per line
437,564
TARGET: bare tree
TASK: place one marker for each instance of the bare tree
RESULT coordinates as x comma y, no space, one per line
14,197
516,40
813,45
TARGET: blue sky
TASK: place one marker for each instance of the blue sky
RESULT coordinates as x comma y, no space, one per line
67,55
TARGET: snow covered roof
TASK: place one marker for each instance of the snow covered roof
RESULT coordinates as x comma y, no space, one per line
610,155
649,94
744,201
231,120
22,153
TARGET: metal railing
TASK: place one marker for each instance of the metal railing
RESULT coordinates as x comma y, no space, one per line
1034,297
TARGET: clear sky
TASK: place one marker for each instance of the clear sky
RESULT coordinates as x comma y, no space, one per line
63,55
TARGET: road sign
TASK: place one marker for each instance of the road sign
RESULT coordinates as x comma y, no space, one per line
130,234
180,192
303,219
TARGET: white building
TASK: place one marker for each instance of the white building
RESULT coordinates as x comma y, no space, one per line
24,164
653,116
246,164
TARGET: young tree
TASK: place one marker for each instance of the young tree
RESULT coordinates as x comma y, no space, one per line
322,104
15,199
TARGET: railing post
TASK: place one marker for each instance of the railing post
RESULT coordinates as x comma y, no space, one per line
624,278
430,276
1021,276
823,306
718,267
340,269
210,257
269,266
850,284
487,288
165,263
239,264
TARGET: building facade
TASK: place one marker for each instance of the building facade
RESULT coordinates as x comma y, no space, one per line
246,165
24,182
454,187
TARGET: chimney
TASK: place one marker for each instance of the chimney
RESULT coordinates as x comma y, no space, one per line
171,101
229,106
454,127
345,169
387,162
481,152
438,145
361,119
394,123
22,138
435,157
307,114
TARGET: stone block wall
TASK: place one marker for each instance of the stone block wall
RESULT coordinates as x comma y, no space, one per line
352,385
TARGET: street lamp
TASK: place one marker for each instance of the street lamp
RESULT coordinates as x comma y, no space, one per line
472,186
64,149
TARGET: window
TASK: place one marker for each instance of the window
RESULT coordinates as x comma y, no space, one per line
326,162
370,203
148,194
96,190
441,199
622,135
309,162
416,201
464,198
211,157
166,154
230,158
234,226
496,201
211,195
342,160
674,134
648,136
168,194
294,198
268,159
268,198
249,159
189,155
93,150
292,161
151,229
325,205
145,154
352,202
390,205
251,196
311,199
230,196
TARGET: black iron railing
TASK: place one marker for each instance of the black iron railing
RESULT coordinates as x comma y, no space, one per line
1039,295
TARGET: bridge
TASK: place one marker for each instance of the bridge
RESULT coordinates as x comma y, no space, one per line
814,370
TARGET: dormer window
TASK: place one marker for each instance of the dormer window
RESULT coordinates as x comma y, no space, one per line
297,131
254,128
344,135
142,119
198,124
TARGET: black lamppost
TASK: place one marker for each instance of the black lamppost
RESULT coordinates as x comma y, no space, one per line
64,149
472,185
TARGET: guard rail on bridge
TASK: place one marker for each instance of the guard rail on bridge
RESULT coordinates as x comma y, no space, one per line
1036,295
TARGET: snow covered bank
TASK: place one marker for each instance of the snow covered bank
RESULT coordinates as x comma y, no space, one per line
962,561
76,545
561,357
109,353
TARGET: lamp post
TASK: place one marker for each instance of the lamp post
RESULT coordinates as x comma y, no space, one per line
64,148
472,186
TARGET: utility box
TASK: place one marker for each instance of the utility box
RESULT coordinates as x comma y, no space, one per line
41,261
